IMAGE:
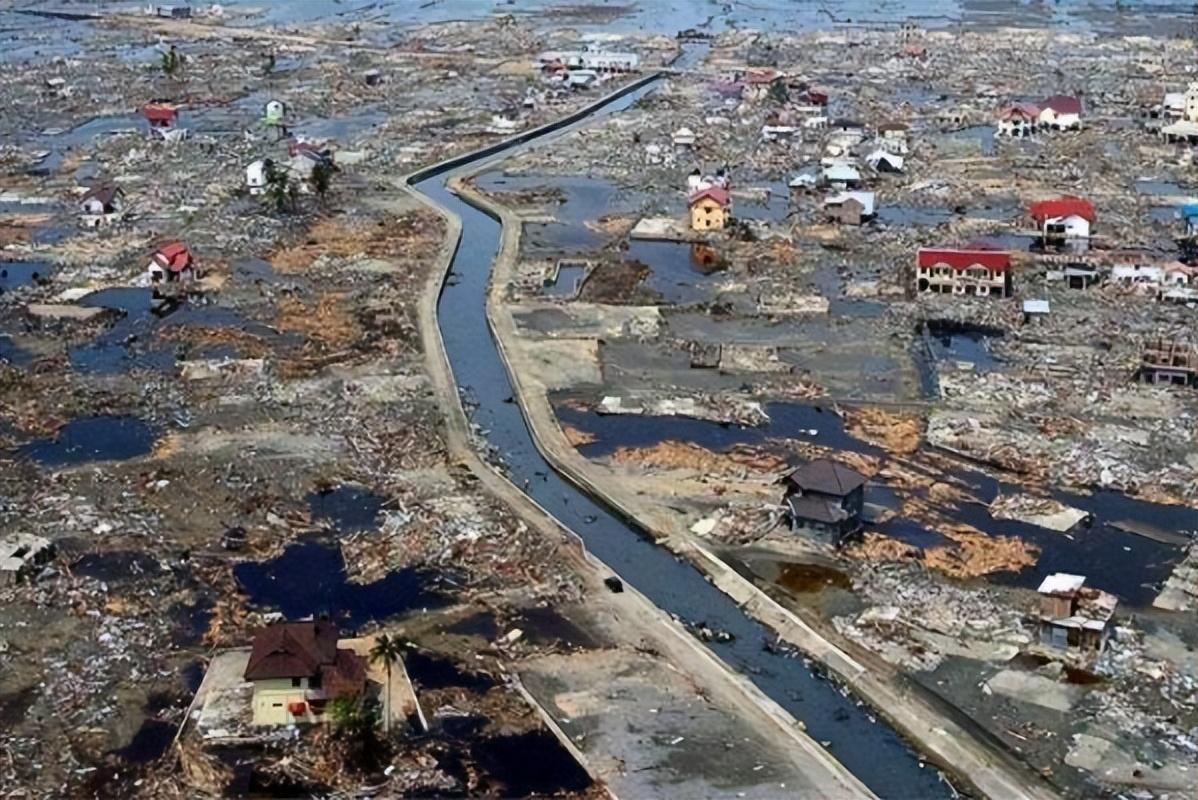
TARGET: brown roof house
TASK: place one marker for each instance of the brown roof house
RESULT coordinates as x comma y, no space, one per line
296,668
1074,617
825,501
100,205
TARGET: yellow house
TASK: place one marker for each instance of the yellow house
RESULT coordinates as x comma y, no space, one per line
710,208
296,668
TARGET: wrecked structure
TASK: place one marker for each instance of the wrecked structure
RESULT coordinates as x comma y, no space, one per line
1169,361
1074,617
21,554
981,273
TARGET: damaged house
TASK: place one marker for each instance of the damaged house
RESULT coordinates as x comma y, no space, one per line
824,500
1074,617
171,262
164,121
1169,361
985,273
20,553
101,205
1061,112
297,668
1064,222
850,208
1019,119
710,208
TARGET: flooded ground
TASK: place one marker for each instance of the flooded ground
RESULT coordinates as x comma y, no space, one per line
81,441
308,579
349,508
670,584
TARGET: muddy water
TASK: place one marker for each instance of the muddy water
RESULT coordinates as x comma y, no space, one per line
872,751
809,423
15,274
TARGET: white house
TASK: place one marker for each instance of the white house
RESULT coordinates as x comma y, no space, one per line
1190,103
1061,112
772,133
1137,275
304,158
582,78
1174,104
101,205
1065,221
1019,119
274,112
841,175
591,58
697,182
255,176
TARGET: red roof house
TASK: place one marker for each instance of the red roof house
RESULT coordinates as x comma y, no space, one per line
962,271
171,262
173,257
1066,206
160,115
296,668
1019,111
717,193
291,650
961,259
1062,104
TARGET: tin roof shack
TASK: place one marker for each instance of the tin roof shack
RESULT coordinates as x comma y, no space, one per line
101,205
1073,617
1064,222
825,501
985,273
1169,361
171,262
296,668
20,553
710,208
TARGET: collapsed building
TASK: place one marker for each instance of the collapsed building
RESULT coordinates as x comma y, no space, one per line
1169,361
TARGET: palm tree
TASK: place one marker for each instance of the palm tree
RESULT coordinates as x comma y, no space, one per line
387,649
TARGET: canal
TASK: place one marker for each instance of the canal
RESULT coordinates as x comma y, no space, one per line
870,749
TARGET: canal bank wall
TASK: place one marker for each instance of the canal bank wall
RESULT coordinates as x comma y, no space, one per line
961,749
641,617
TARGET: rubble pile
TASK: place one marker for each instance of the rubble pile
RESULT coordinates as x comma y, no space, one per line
917,621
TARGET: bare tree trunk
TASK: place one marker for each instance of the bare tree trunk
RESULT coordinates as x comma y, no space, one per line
387,703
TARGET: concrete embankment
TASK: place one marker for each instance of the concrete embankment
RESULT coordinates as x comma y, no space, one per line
641,618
